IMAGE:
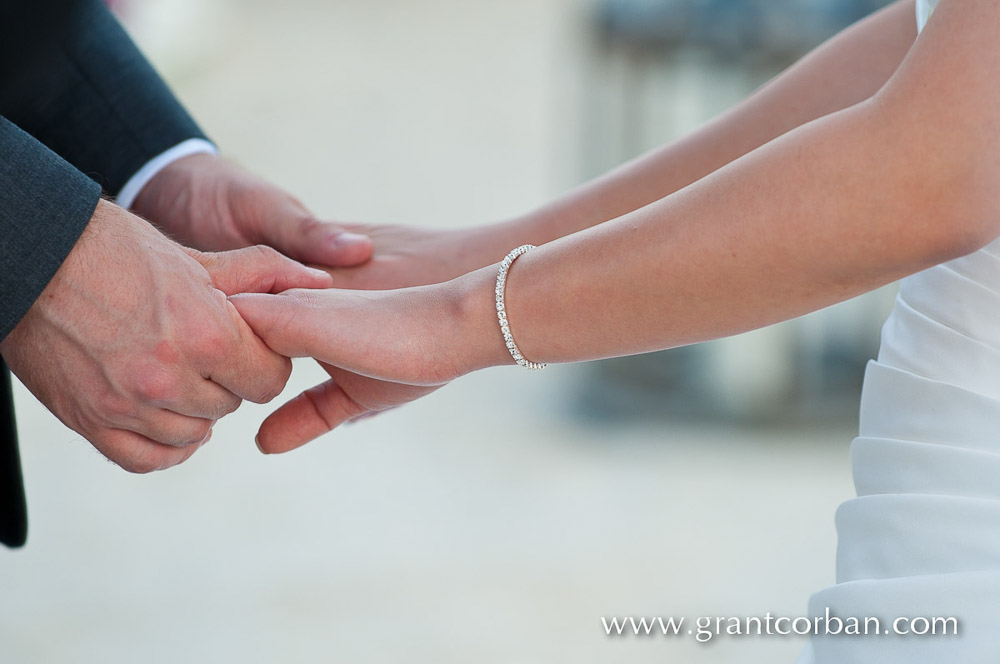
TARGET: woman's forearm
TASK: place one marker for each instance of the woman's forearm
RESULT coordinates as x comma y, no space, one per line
833,209
845,70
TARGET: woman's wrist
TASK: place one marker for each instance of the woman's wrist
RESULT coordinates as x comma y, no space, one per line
476,341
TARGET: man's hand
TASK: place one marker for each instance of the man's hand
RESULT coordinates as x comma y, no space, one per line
206,202
134,345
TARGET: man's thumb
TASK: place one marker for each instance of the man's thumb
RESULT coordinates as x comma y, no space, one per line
321,243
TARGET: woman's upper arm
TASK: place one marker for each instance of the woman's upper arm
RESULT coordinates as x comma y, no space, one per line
941,114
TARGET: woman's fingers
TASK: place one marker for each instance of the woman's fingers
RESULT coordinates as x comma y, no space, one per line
309,415
340,329
346,396
398,336
294,325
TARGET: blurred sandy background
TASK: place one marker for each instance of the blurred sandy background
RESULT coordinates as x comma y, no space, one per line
494,522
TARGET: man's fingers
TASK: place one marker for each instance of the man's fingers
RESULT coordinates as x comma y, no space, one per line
173,429
205,399
313,241
309,415
250,369
259,270
138,454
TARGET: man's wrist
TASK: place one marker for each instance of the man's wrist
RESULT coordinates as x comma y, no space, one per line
133,187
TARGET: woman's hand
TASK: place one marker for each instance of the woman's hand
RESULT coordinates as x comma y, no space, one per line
381,348
406,256
847,69
346,396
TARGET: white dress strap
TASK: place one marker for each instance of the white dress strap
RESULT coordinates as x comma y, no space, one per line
924,10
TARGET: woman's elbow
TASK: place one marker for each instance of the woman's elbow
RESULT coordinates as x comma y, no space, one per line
963,207
948,180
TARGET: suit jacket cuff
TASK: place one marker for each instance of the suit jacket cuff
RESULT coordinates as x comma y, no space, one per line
45,204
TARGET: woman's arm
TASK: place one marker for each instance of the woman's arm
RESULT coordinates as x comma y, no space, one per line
845,70
834,208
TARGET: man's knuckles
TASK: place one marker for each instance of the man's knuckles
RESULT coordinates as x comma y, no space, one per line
270,384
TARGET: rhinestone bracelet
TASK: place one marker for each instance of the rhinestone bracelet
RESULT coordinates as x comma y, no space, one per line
502,311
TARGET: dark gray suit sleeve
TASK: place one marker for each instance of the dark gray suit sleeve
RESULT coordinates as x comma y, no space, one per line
45,204
71,77
80,110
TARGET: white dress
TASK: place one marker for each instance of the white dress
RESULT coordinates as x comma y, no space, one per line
923,536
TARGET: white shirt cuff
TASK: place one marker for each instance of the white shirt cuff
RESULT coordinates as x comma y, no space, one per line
126,197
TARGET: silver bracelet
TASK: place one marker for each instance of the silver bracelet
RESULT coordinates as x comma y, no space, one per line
502,311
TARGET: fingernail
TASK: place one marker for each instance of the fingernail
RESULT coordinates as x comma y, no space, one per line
256,440
347,240
206,438
318,273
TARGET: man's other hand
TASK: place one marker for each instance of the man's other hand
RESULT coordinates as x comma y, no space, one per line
134,345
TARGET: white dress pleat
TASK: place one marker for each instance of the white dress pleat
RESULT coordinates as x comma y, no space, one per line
923,536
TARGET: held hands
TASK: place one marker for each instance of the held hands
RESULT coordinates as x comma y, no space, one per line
206,202
134,345
381,349
153,356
